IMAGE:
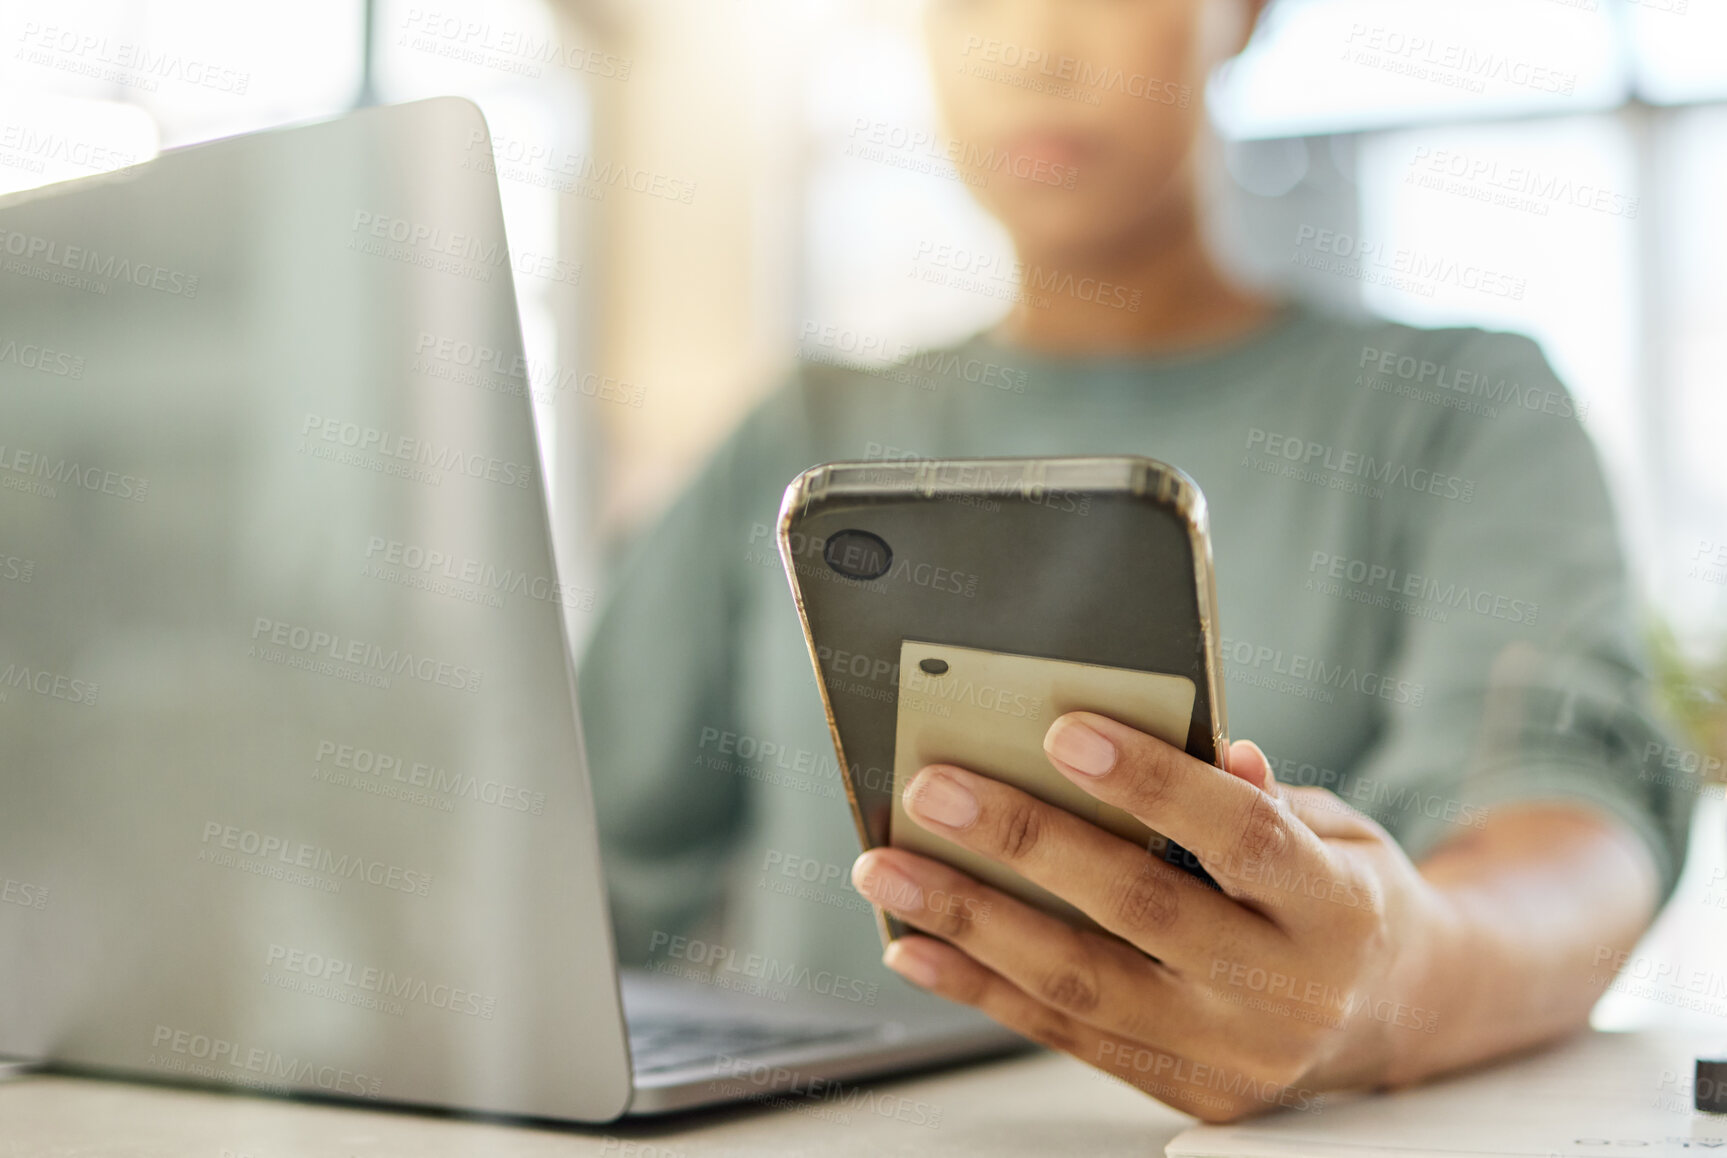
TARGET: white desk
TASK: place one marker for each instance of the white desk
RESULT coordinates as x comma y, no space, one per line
1041,1105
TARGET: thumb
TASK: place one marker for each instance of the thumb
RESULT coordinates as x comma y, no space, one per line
1247,762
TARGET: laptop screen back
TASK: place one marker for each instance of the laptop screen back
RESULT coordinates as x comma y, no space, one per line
291,790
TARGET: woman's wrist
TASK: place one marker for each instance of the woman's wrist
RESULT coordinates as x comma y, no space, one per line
1506,945
1412,1022
1441,982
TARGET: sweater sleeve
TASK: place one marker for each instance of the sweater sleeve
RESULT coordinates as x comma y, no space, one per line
1538,688
657,675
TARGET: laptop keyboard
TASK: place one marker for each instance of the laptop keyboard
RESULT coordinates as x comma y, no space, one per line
658,1044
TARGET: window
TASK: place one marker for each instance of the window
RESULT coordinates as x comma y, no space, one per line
98,85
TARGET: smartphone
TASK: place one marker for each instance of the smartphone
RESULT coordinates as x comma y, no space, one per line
953,609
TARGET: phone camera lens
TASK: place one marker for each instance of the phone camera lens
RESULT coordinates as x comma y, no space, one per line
933,666
858,555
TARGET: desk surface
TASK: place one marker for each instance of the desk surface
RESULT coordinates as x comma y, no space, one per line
1039,1105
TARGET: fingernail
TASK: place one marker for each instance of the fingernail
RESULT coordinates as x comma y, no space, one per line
1079,747
938,796
885,885
909,962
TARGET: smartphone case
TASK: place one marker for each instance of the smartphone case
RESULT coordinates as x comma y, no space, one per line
1090,561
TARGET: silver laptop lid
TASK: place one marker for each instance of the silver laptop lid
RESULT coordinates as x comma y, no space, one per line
291,786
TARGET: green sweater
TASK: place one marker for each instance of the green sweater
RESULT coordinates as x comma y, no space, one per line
1422,597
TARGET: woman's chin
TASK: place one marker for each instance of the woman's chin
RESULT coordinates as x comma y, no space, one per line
1067,236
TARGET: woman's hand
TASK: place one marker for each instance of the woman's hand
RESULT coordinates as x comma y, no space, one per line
1302,974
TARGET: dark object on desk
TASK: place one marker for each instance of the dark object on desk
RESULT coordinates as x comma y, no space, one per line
1709,1091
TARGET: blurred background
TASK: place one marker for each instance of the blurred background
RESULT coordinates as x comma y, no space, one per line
699,191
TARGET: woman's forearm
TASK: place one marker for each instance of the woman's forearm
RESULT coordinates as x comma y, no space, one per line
1541,896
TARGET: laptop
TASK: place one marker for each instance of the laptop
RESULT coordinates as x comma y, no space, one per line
292,788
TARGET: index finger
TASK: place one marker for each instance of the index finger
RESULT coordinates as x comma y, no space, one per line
1245,838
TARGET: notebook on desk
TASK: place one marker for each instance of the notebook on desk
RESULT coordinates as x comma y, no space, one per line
1600,1094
